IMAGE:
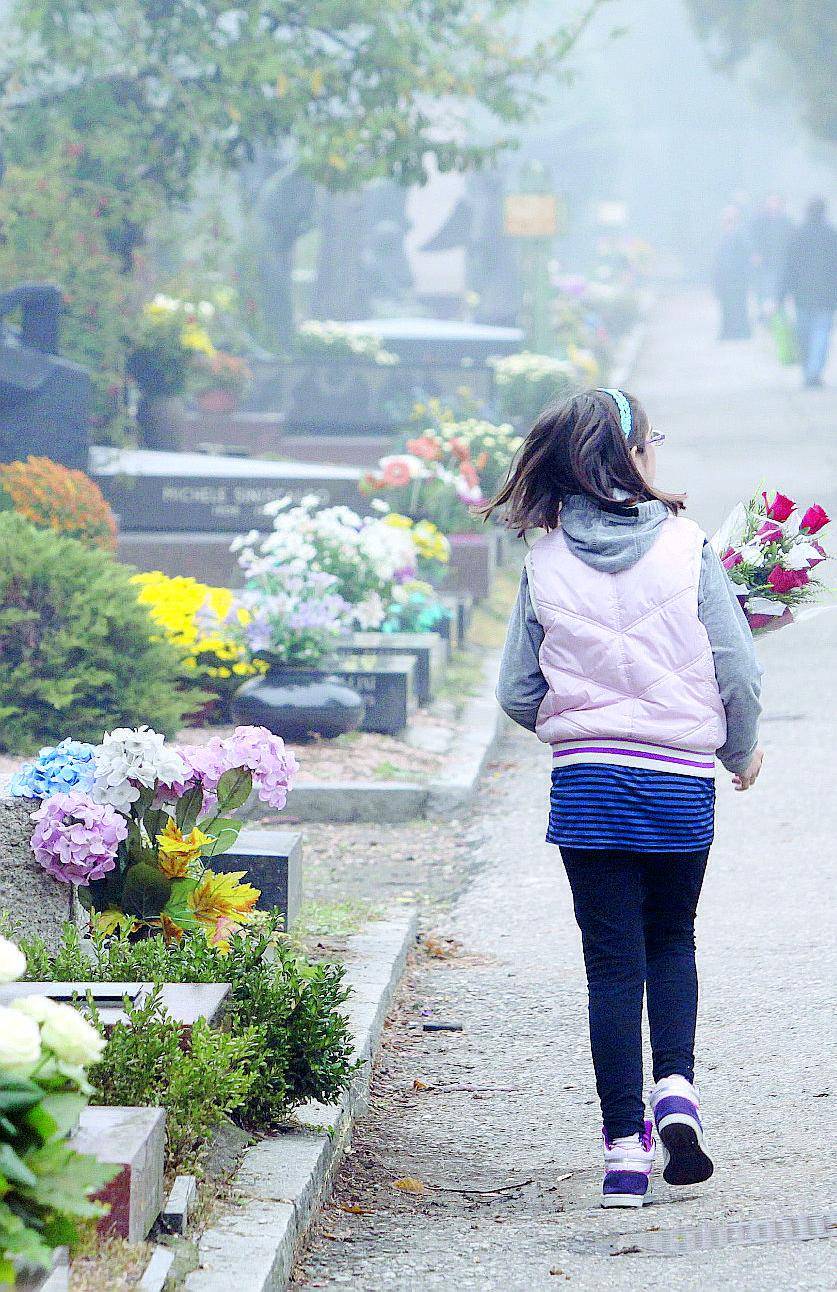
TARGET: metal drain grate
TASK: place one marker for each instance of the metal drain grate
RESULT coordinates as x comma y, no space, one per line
714,1234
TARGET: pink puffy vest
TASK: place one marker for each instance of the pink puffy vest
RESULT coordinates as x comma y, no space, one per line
625,655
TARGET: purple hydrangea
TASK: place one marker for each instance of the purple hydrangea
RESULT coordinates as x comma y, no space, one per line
57,770
273,766
75,839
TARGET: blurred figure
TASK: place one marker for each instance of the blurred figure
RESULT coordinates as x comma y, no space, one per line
731,276
770,232
810,278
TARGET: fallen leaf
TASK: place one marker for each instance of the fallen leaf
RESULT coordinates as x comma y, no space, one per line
354,1209
420,1085
408,1184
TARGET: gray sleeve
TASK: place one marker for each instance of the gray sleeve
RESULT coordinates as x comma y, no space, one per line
522,685
737,669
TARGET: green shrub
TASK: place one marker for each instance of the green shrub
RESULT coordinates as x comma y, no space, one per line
78,655
199,1081
305,1045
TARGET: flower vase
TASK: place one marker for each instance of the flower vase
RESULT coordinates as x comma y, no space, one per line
299,701
161,420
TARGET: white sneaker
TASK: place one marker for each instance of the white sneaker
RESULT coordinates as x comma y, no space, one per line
676,1106
629,1161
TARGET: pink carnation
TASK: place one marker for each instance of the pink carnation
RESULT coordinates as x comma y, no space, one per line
77,840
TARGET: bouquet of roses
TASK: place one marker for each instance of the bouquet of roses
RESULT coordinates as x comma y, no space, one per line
131,821
769,551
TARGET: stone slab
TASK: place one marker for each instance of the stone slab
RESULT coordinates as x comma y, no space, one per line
175,1214
157,1270
170,493
273,862
133,1138
186,1002
38,904
387,684
427,649
283,1181
473,563
357,801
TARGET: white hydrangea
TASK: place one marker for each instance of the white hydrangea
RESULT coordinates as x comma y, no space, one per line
130,759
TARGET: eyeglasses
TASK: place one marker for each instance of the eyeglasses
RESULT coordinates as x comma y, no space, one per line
655,437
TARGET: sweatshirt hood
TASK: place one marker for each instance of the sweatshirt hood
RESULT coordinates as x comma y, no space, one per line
610,541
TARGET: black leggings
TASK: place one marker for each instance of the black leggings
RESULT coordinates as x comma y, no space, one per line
636,912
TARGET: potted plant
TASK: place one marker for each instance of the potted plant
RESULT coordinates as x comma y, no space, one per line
219,381
170,334
290,616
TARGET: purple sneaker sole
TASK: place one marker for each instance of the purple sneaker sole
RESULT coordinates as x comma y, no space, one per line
686,1162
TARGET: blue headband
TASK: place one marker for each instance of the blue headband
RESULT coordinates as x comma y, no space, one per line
625,415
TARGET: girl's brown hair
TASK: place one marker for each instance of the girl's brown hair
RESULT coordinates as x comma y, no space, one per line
577,447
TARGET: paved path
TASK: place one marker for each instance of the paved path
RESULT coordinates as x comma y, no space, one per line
510,1098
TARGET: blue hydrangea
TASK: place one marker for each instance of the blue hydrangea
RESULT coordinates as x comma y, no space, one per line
68,766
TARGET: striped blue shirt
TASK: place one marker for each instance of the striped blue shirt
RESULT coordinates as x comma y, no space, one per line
604,805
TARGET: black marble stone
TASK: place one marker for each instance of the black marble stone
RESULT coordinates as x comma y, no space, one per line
387,684
427,649
273,862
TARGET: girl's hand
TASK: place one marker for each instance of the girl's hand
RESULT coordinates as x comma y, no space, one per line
745,779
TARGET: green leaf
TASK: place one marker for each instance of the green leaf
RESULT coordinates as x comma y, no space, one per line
225,832
14,1168
64,1178
189,807
64,1107
146,891
234,789
155,822
177,908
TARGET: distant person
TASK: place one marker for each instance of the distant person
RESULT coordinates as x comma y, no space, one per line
629,655
770,232
810,280
731,277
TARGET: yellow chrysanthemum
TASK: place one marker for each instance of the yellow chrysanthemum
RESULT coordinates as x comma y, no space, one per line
174,603
223,897
177,850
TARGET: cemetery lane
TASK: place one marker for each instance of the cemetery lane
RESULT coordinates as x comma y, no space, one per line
477,1166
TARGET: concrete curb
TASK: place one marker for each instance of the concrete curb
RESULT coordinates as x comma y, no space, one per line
480,728
284,1180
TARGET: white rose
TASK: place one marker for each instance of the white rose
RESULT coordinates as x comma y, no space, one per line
63,1030
12,961
20,1041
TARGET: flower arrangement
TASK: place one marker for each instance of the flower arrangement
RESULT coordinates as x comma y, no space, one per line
45,1049
415,608
135,819
768,549
191,614
55,497
170,334
220,373
432,549
330,338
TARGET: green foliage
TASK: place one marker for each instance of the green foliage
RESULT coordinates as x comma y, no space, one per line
200,1081
45,1185
304,1044
76,647
802,33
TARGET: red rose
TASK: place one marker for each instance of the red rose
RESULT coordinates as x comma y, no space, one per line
780,508
731,559
786,580
815,519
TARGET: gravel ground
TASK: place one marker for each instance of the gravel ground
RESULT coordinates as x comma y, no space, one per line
458,1117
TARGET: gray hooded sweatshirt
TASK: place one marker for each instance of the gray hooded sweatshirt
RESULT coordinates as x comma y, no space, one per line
612,541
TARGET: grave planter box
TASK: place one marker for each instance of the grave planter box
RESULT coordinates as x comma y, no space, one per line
427,648
387,684
133,1139
473,563
273,862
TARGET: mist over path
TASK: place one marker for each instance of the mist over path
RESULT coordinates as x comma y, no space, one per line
510,1099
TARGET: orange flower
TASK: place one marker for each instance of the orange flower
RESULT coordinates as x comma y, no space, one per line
396,474
469,475
54,497
425,447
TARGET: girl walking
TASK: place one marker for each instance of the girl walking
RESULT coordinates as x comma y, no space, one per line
628,654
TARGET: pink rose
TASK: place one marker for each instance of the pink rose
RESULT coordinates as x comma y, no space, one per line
786,580
780,508
815,519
